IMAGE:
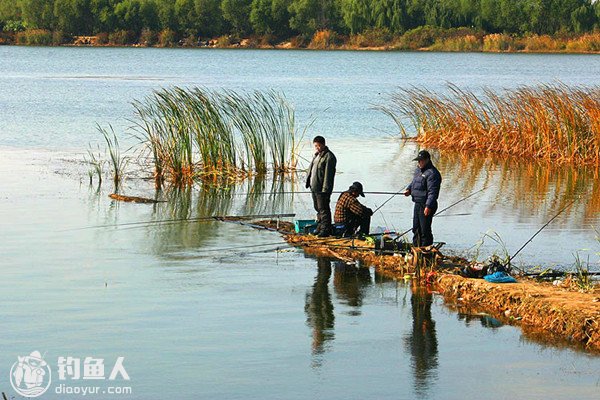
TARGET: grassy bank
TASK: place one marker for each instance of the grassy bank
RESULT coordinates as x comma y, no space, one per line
419,39
556,123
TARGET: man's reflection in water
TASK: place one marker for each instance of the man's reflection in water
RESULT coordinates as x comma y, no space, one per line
349,282
422,343
319,308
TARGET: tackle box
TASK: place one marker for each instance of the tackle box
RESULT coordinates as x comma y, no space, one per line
304,225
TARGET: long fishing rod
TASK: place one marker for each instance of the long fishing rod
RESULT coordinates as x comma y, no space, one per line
450,206
539,230
557,274
209,218
385,202
307,192
280,243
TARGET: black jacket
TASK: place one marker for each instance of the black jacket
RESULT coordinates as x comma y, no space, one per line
322,182
425,186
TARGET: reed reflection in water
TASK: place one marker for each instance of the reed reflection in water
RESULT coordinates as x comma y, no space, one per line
182,234
527,187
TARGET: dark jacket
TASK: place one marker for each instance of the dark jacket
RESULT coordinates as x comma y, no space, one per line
425,186
322,181
348,207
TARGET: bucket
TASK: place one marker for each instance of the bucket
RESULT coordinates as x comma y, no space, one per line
301,225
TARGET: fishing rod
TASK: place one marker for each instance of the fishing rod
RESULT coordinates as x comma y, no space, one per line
280,243
257,226
538,231
208,218
557,274
385,202
450,206
308,192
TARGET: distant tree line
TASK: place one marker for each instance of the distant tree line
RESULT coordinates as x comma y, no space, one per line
287,18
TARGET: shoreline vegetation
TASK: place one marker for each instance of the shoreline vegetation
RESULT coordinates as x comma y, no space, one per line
426,39
188,134
556,123
433,25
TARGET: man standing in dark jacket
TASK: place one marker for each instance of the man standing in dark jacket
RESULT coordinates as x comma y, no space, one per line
320,181
424,189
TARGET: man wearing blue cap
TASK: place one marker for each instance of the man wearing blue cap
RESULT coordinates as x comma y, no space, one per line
424,189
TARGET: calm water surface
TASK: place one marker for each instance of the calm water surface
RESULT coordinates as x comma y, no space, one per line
196,318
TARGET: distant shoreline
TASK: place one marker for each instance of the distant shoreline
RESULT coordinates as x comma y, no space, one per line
459,41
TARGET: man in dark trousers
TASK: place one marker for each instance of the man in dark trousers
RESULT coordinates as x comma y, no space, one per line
424,189
320,181
351,213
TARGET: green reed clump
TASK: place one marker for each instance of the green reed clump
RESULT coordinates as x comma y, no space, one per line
582,276
116,160
553,122
201,133
96,163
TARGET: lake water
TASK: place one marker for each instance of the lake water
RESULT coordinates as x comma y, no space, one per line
197,317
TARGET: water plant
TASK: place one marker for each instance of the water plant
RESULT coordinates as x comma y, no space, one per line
96,164
196,132
499,254
117,161
581,276
552,122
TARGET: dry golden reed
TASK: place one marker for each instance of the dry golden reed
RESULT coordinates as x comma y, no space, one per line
552,122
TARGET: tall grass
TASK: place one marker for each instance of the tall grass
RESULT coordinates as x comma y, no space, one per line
201,133
324,39
96,165
34,37
553,122
582,276
116,160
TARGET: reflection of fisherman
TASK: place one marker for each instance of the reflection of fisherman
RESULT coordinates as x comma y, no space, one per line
423,340
351,213
319,308
424,189
320,181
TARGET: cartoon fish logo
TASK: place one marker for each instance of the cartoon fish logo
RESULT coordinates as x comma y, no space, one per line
30,375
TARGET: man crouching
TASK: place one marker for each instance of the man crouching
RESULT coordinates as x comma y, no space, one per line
351,213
